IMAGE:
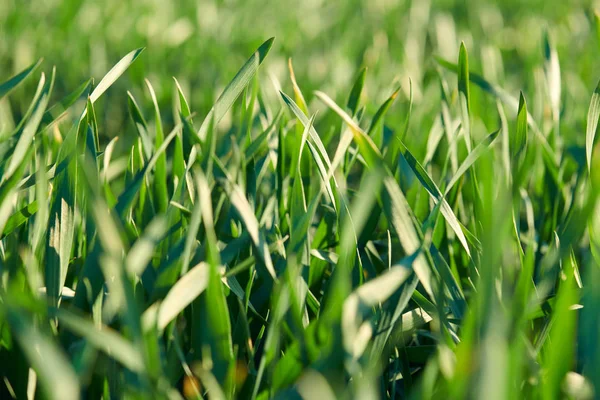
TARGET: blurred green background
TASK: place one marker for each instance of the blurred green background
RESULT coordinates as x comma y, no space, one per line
202,43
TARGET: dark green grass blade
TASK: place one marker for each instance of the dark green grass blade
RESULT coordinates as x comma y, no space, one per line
9,85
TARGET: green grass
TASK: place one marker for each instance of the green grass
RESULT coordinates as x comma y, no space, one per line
406,208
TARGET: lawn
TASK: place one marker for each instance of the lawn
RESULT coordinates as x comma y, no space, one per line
378,199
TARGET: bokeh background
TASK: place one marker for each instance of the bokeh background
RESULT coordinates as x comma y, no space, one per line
203,43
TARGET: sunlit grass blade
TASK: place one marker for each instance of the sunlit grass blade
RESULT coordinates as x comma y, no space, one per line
235,87
114,74
592,124
464,93
367,147
239,201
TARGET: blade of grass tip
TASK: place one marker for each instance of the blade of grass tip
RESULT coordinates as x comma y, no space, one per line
552,70
471,159
464,93
519,142
319,154
183,103
235,87
437,196
140,124
505,141
57,111
356,92
24,144
9,85
127,196
240,203
377,120
114,74
51,364
161,195
592,125
366,146
292,145
19,218
507,99
297,92
391,154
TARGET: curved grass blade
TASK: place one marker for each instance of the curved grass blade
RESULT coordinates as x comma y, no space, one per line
552,70
355,93
366,146
114,74
105,339
436,194
57,111
161,194
464,93
319,154
181,295
592,124
471,159
375,129
398,213
239,201
126,198
140,125
509,100
19,218
9,85
183,103
235,87
519,141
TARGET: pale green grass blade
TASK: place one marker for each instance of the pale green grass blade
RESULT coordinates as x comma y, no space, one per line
367,147
239,201
114,74
181,295
592,125
397,211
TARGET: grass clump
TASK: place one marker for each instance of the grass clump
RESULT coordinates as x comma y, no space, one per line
437,240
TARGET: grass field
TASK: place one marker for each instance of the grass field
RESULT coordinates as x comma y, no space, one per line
326,200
